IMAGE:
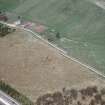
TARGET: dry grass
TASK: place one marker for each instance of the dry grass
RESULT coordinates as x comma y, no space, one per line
34,68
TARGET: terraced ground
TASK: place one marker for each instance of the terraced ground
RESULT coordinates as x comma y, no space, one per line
80,22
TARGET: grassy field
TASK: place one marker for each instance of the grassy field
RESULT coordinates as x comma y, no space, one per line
8,5
81,24
32,71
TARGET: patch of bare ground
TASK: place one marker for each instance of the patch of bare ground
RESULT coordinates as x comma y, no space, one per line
35,68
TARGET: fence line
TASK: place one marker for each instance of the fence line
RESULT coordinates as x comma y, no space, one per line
62,52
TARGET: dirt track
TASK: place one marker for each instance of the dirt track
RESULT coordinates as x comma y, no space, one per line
34,68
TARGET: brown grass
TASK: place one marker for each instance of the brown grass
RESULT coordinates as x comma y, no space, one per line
34,68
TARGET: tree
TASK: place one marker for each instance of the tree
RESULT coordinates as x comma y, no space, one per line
83,92
79,103
102,102
58,35
92,102
83,97
74,93
98,98
4,30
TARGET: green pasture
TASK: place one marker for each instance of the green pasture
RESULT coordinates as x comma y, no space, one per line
8,4
80,22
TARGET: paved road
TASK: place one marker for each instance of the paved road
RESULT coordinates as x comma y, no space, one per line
7,100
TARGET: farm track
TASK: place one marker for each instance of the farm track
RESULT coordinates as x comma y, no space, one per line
62,52
82,21
33,67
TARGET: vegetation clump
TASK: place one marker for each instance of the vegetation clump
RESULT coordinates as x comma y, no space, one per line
4,30
15,94
87,96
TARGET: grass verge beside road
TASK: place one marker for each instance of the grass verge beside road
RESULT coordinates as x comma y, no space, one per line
14,94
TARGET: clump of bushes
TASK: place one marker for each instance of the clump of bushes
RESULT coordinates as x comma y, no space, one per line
15,94
4,30
87,96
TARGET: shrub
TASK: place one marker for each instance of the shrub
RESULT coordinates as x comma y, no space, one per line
102,102
92,102
98,98
74,93
102,91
